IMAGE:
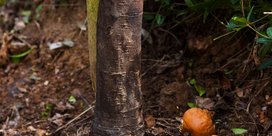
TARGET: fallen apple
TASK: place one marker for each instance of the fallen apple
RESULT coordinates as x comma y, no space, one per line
198,122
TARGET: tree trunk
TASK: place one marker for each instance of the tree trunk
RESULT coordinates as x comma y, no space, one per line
118,109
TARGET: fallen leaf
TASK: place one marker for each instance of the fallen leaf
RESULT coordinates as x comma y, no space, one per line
239,92
31,128
191,104
68,42
57,119
262,117
55,45
150,121
205,103
19,25
201,91
41,132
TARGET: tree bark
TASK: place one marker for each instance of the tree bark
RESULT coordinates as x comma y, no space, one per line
118,109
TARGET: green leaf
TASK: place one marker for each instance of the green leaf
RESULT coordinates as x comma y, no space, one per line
237,23
189,3
180,13
159,19
269,31
49,107
249,14
192,81
16,58
38,11
201,91
206,14
265,49
45,115
239,19
26,15
191,104
166,2
263,40
72,99
265,64
231,26
239,131
21,54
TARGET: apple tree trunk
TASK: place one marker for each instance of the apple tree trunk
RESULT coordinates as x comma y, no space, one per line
118,109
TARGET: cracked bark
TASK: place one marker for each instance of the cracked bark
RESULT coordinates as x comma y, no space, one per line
118,109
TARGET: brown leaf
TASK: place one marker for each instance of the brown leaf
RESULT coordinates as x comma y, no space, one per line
239,92
150,121
41,132
262,117
205,103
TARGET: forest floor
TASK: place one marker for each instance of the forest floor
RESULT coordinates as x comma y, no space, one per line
42,92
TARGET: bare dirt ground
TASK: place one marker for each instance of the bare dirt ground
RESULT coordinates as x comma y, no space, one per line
48,88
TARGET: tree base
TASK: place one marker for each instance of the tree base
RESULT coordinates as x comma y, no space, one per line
106,131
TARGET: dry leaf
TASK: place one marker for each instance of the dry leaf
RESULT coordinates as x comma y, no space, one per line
205,103
41,132
239,92
150,121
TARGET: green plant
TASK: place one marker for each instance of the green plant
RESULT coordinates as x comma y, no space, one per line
251,17
166,7
191,104
47,110
38,11
207,7
72,99
17,57
201,91
239,131
175,12
235,15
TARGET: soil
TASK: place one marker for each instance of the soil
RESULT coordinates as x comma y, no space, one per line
42,92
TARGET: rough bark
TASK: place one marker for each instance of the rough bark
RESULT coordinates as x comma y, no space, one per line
118,99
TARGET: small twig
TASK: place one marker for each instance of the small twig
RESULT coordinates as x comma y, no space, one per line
242,7
153,65
248,106
71,121
80,122
267,13
231,58
152,60
254,123
35,122
168,121
173,35
163,125
38,26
